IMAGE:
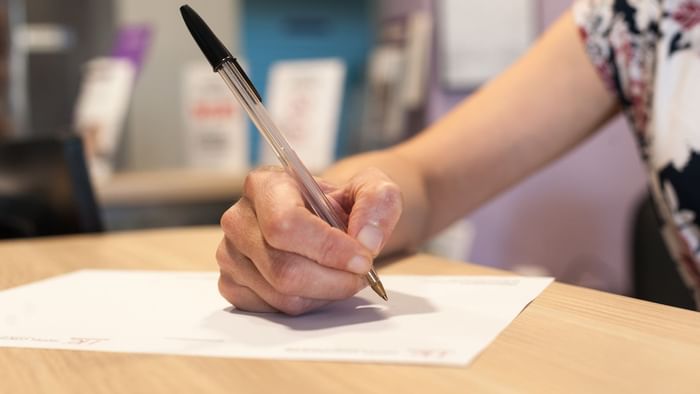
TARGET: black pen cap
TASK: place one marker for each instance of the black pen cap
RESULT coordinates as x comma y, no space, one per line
215,52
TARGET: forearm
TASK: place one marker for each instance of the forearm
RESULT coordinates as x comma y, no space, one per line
545,104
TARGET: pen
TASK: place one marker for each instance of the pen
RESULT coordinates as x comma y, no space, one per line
228,68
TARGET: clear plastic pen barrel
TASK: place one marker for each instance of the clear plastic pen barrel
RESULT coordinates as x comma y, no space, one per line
311,191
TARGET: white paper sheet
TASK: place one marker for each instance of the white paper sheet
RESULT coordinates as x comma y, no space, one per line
445,320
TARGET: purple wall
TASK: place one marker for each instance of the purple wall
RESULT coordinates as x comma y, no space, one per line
573,218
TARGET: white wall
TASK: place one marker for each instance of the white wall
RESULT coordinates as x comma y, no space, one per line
154,136
573,218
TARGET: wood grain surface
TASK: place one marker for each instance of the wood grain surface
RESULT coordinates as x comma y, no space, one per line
568,340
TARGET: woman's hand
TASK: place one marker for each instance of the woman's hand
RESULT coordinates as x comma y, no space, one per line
277,255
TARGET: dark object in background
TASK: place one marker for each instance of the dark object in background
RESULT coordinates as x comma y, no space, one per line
5,62
655,275
45,189
53,75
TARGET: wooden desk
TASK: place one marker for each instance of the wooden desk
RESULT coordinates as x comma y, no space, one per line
173,186
568,340
167,198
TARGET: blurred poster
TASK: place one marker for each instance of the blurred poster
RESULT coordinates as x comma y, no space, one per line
215,125
397,80
106,92
101,109
481,38
304,98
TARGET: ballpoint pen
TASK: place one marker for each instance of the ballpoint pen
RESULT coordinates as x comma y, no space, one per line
228,68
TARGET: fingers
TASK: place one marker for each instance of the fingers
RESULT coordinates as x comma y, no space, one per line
287,224
285,273
277,280
278,256
242,297
376,208
250,292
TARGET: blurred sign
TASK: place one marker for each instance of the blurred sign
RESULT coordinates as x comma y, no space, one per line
215,125
304,99
481,38
44,37
101,110
282,30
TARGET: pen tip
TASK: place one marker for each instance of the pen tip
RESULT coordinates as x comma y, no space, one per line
379,289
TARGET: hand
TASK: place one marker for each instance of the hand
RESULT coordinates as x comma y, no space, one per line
277,255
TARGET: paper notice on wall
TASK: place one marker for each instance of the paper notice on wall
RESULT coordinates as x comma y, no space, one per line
215,125
304,99
101,109
481,38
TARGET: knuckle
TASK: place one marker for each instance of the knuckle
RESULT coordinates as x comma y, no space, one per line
251,180
389,201
227,219
389,192
231,219
276,228
285,277
222,256
229,259
227,290
258,177
294,306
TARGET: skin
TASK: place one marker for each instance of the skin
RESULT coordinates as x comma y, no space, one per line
277,256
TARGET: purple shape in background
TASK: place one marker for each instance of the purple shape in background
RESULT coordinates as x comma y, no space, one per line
132,43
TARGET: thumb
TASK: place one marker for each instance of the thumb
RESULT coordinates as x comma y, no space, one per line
377,206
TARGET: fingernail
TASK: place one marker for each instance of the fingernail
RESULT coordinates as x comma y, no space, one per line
371,237
359,265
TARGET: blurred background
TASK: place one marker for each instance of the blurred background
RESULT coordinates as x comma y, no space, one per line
165,144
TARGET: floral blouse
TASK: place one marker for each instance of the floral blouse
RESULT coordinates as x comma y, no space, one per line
648,53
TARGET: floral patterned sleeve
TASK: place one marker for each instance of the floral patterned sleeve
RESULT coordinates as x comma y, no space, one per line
621,38
648,53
